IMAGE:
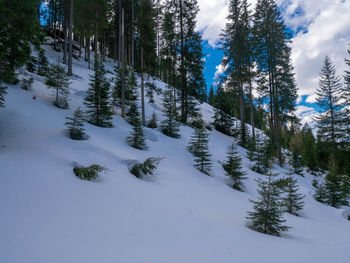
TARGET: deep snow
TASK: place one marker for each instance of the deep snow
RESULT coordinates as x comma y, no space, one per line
178,216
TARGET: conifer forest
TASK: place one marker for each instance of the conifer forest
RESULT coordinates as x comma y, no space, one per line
174,131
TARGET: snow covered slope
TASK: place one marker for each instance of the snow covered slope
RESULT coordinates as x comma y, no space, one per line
47,215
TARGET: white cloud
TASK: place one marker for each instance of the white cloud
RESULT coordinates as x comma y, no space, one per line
219,70
311,98
328,33
212,18
306,114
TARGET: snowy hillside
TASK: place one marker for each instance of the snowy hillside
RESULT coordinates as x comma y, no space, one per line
178,216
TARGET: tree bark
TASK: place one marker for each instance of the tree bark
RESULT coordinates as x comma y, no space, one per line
70,38
132,34
143,119
182,68
122,63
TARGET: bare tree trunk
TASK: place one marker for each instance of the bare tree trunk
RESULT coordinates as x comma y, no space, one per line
65,28
54,24
88,52
132,34
143,119
242,114
80,44
252,120
70,38
120,34
182,68
122,63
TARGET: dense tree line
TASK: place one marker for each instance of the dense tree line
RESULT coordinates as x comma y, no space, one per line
159,38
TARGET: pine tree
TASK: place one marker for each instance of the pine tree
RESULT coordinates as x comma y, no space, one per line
233,168
153,121
295,163
117,88
133,114
42,63
211,96
57,79
345,189
292,201
237,50
251,149
346,94
31,64
333,185
295,158
330,121
130,87
3,92
267,215
276,81
137,137
223,120
198,146
259,155
19,28
75,125
151,87
170,126
98,95
309,157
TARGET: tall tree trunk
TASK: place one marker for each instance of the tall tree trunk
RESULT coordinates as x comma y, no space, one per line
122,64
70,38
132,34
143,119
252,119
88,52
182,67
54,24
120,34
65,28
242,114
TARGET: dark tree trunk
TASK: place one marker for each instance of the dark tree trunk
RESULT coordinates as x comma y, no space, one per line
70,38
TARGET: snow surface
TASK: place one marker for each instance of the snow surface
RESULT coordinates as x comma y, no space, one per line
177,216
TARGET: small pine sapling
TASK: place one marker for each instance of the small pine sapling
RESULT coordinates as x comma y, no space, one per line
321,193
267,215
333,185
170,126
259,156
57,80
75,125
198,146
293,200
98,96
27,83
31,64
153,121
140,170
89,173
137,137
42,63
132,114
233,168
